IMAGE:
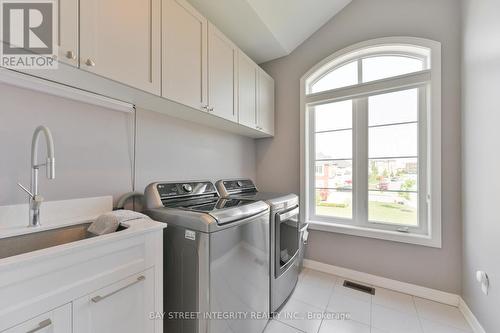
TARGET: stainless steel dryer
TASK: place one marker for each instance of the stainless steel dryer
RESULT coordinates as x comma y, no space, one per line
288,235
216,258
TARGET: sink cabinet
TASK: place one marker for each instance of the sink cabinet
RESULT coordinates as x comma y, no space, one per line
124,307
105,284
55,321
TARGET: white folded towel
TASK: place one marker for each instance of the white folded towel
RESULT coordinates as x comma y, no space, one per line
109,222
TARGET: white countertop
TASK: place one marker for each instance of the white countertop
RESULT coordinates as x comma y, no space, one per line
134,228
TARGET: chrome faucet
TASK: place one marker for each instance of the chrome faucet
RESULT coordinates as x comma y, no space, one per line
35,198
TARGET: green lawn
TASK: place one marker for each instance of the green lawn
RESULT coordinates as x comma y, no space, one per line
378,211
334,211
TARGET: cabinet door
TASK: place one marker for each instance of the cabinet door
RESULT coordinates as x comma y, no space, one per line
124,307
184,54
222,57
120,40
67,31
266,103
247,91
55,321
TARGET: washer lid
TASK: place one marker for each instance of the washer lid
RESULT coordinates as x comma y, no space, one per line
198,204
211,221
223,210
246,189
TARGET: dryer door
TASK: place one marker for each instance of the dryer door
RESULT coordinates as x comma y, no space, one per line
287,240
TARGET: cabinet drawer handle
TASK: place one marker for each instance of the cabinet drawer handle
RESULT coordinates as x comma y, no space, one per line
41,325
97,299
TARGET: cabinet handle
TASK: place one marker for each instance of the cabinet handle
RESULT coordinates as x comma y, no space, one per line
89,62
71,55
97,299
204,107
41,325
210,109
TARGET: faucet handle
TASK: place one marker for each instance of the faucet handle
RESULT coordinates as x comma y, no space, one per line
26,190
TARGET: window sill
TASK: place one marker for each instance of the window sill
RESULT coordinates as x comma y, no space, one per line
424,240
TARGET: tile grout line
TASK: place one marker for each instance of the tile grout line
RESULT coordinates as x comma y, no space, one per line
418,314
395,309
420,318
295,328
388,308
305,303
326,306
371,312
394,285
339,279
413,300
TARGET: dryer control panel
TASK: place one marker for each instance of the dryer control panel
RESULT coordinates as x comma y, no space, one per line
236,186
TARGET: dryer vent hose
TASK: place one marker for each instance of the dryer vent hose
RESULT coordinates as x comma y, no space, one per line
120,204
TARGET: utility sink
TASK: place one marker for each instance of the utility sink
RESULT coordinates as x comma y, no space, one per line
12,246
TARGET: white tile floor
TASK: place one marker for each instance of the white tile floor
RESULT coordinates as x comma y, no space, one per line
320,298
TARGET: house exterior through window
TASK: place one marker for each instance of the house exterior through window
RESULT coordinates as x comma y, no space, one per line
371,139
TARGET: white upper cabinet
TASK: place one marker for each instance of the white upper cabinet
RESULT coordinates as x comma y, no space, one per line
247,91
184,54
120,40
222,70
265,116
67,31
122,307
166,48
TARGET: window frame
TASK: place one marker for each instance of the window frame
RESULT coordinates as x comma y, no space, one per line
428,83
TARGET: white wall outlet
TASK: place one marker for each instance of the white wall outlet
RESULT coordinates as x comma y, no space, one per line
482,278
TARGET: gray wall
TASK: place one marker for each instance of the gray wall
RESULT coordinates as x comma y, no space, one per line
278,159
173,149
94,148
481,156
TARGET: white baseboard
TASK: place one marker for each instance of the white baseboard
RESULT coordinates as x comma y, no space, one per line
403,287
469,316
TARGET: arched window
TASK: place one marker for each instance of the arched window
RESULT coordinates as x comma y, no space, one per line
371,124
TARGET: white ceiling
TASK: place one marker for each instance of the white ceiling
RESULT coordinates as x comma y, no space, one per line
269,29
